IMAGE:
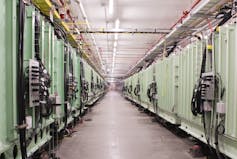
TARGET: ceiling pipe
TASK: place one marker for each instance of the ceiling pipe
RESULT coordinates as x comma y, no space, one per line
123,31
185,14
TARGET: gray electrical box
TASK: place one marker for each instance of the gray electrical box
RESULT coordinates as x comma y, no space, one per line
208,86
34,82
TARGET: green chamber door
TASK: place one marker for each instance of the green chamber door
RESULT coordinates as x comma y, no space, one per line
190,65
166,77
226,106
58,80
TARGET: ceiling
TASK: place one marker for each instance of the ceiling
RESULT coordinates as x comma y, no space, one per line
141,15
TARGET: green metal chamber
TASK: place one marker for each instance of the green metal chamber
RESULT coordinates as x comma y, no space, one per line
8,81
96,84
135,84
176,77
46,53
225,66
38,130
190,65
148,76
57,70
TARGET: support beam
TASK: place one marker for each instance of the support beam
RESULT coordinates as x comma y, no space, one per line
125,31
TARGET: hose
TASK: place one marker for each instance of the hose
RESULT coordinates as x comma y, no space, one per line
84,88
44,92
59,31
20,81
170,50
225,14
84,92
137,90
196,102
151,91
148,93
130,89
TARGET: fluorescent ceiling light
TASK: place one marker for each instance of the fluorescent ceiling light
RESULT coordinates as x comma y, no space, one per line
112,67
113,62
116,36
117,22
111,7
83,11
115,44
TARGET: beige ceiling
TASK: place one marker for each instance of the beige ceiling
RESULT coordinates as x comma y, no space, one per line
133,14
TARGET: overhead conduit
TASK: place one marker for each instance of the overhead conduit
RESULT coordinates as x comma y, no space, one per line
47,8
196,8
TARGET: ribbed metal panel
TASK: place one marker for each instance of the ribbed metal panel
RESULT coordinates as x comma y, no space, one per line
190,64
166,78
8,83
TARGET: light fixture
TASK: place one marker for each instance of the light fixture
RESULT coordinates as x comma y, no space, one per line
83,11
113,63
117,22
112,71
111,7
115,44
116,36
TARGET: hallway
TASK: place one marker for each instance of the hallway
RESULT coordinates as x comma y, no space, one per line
115,129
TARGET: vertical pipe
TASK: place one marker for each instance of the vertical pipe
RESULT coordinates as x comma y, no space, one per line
20,80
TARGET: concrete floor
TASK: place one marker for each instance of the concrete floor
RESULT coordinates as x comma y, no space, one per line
115,129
